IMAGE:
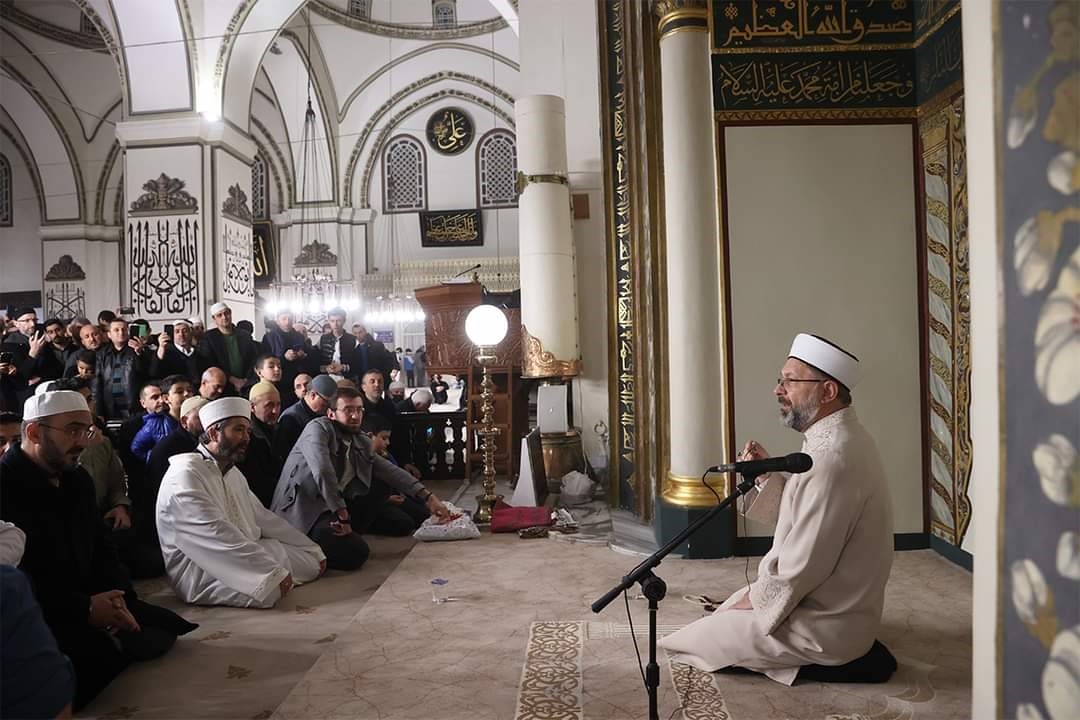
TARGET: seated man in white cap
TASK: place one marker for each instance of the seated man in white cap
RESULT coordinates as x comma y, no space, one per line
814,610
221,546
85,593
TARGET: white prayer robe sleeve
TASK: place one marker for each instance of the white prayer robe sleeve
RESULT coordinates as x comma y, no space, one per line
811,548
277,528
206,537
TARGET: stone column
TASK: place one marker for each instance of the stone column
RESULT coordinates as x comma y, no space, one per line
187,235
549,318
696,348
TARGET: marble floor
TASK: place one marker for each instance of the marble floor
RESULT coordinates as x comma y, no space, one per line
517,636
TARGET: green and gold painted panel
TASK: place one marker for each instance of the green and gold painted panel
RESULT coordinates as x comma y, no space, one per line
741,25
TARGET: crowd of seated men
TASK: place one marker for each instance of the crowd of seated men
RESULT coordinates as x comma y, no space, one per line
237,468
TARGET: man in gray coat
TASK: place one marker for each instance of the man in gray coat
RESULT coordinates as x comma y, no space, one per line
333,483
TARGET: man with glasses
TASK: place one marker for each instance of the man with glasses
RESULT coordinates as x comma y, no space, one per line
814,610
221,546
85,593
334,483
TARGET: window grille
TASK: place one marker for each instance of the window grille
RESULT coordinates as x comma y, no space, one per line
444,13
498,170
360,9
260,208
404,174
5,192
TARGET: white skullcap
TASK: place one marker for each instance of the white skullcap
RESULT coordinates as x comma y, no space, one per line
196,321
218,307
54,403
222,408
192,403
45,386
396,385
182,322
826,357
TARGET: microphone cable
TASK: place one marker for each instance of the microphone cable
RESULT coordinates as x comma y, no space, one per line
746,569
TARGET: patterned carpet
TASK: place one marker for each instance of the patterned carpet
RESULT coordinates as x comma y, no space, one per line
519,642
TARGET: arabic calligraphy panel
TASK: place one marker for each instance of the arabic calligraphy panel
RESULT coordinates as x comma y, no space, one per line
263,254
764,24
450,130
451,228
164,265
939,60
767,81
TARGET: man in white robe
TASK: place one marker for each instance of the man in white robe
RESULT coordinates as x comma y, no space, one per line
221,546
819,594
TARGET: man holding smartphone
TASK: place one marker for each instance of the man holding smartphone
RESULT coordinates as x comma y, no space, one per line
176,353
121,371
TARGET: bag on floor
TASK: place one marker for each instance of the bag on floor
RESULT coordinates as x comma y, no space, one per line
461,527
506,518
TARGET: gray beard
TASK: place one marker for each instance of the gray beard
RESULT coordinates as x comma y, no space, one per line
798,419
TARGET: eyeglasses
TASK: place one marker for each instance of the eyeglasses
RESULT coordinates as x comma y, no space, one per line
351,411
786,382
75,433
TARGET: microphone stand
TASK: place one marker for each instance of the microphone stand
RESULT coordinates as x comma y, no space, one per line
654,589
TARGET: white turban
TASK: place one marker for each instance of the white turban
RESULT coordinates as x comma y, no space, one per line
218,307
53,403
826,357
224,408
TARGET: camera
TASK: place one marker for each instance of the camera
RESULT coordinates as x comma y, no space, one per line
7,358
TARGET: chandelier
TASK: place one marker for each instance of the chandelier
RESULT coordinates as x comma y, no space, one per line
393,310
314,288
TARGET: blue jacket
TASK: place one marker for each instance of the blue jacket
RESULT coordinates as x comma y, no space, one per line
153,431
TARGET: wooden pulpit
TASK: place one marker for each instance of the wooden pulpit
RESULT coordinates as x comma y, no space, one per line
450,352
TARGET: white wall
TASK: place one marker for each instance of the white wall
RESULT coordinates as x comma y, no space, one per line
823,240
560,56
19,246
982,536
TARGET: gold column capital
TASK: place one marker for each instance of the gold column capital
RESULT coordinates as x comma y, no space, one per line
663,8
677,15
689,491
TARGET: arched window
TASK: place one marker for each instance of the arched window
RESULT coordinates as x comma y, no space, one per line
444,13
496,160
360,9
260,206
404,175
5,192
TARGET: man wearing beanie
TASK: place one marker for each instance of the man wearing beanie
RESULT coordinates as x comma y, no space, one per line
814,610
85,593
221,546
262,464
314,404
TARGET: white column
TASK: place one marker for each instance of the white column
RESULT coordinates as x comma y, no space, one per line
549,327
187,219
695,318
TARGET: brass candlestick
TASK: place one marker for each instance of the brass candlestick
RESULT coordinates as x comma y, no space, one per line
486,502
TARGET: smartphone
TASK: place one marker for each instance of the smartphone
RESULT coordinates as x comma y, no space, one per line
7,358
39,328
169,330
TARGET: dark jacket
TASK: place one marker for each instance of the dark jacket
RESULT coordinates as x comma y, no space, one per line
383,406
213,352
291,424
262,463
132,368
177,363
308,486
347,353
371,355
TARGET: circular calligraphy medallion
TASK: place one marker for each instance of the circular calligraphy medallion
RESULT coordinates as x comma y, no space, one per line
450,130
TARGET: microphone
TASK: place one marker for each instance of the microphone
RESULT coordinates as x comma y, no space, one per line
793,463
467,270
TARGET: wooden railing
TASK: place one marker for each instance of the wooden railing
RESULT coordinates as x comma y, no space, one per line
437,443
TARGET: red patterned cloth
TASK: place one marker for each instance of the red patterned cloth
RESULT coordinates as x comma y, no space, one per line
506,518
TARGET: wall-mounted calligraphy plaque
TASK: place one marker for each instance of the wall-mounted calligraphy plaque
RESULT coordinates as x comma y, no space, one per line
451,228
450,130
263,253
836,24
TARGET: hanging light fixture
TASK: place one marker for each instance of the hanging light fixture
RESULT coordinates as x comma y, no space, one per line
314,288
